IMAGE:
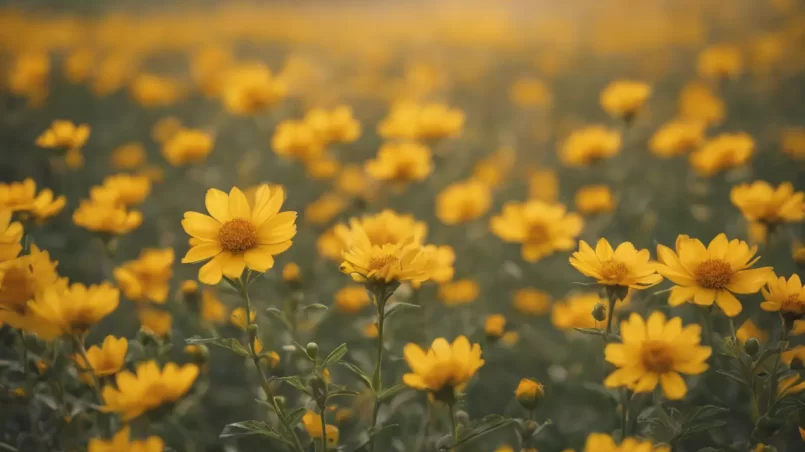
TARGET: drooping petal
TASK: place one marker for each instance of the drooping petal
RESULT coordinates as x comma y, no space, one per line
673,386
728,303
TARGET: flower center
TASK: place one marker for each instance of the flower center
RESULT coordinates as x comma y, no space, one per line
238,235
381,261
714,274
613,270
538,233
656,357
793,304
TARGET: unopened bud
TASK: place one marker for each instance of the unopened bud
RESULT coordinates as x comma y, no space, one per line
444,442
462,417
529,393
312,350
529,427
198,352
752,346
599,312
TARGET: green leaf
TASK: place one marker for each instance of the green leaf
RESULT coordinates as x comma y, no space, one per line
295,416
731,376
335,355
315,307
297,382
372,432
488,424
246,428
396,307
343,393
224,342
761,360
390,392
357,371
279,315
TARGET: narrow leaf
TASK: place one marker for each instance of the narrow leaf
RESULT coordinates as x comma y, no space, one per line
396,307
357,371
391,392
315,307
279,315
224,342
335,355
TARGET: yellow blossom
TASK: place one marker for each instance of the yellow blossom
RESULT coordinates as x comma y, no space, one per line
187,146
22,197
590,144
540,227
759,201
749,330
529,392
625,266
156,321
291,272
106,216
251,88
10,236
676,138
208,68
151,90
623,98
531,302
530,92
26,278
725,151
166,128
421,122
297,140
795,353
148,277
64,135
148,388
793,143
122,443
463,202
238,318
444,368
212,309
577,311
720,61
129,189
401,162
351,299
104,360
312,423
699,104
494,326
335,126
324,209
785,296
72,311
601,442
543,185
78,65
591,199
29,76
459,292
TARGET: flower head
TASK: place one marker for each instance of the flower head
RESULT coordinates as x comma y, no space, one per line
421,122
129,156
624,98
494,326
64,135
401,162
531,302
592,199
238,234
725,151
352,299
676,138
187,146
148,388
22,197
152,90
750,330
793,143
704,275
759,201
721,61
155,321
542,228
71,312
22,279
656,351
121,442
128,189
530,92
577,311
590,144
463,202
625,266
10,236
312,423
148,277
601,442
529,392
335,126
459,292
251,88
104,214
443,368
297,140
699,103
104,360
785,296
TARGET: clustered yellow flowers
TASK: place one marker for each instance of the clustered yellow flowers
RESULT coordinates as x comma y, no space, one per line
401,163
104,360
251,88
187,146
64,135
725,151
122,442
759,201
148,277
411,121
463,202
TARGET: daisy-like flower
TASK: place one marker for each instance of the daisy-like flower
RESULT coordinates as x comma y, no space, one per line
625,266
444,368
704,275
22,279
720,62
312,423
71,312
237,235
64,135
148,277
463,202
541,227
655,352
251,88
759,201
784,296
699,103
335,126
676,138
104,360
590,144
130,189
411,121
122,442
103,214
725,151
624,98
22,197
10,236
149,388
592,199
297,140
601,442
187,146
401,163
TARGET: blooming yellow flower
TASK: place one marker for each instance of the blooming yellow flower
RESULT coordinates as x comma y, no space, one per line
251,88
29,76
78,65
187,146
759,201
656,351
324,209
590,144
22,197
787,297
494,326
387,226
720,61
113,72
297,140
152,90
238,318
72,311
65,135
458,292
591,199
793,143
728,150
463,202
623,98
703,275
442,266
577,311
542,228
698,103
312,423
103,214
444,368
749,330
325,167
104,360
129,156
335,126
790,385
530,92
156,321
625,266
351,299
797,352
529,392
291,272
148,277
212,309
601,442
129,189
239,235
676,138
166,128
330,243
25,278
543,185
421,122
122,443
10,236
352,180
531,302
149,388
401,162
493,169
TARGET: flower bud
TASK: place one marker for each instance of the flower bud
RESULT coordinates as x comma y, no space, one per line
199,353
291,273
752,346
617,293
191,294
528,393
312,350
599,312
529,427
494,327
462,417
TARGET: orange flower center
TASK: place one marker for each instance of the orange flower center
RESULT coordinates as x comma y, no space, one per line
714,274
613,270
381,261
238,235
793,304
538,233
656,357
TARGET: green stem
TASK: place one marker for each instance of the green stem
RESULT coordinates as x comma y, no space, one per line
29,389
624,413
773,381
323,433
377,380
613,299
453,426
78,345
707,323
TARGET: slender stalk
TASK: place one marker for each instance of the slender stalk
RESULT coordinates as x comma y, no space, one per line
78,345
624,413
613,299
707,323
453,426
377,380
323,433
29,389
773,381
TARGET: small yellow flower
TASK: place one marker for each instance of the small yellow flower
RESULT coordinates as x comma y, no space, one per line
577,311
442,266
785,296
129,156
78,65
71,312
104,360
335,126
495,326
444,368
592,199
187,146
532,302
325,167
106,216
352,299
704,275
129,189
749,330
312,423
291,272
601,442
148,388
65,135
156,321
22,197
208,67
798,353
166,128
330,243
401,162
238,234
725,151
530,92
529,392
656,351
251,88
463,202
720,62
112,73
459,292
10,236
676,138
793,143
297,140
238,318
542,228
151,90
353,180
625,266
493,169
590,144
759,201
22,279
212,309
122,443
698,103
624,98
148,277
74,158
29,76
421,122
543,185
370,330
324,209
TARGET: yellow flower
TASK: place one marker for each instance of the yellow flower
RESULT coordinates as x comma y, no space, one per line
74,159
676,138
187,146
71,312
353,181
625,266
149,388
325,167
401,162
148,277
106,359
113,72
10,236
330,243
725,151
577,311
251,88
656,351
698,103
238,318
721,61
324,209
542,228
798,353
590,144
22,197
444,368
351,299
336,126
759,201
703,275
749,330
493,169
129,189
790,386
530,92
78,65
421,122
312,423
370,330
106,216
297,140
793,143
166,128
151,90
543,185
463,202
532,302
23,279
129,156
787,297
459,292
601,442
122,443
591,199
65,135
442,266
29,76
156,321
208,67
239,235
623,98
212,309
529,392
494,326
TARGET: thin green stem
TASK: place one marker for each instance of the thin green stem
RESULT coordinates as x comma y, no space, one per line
613,299
707,323
453,425
29,389
377,380
624,413
78,345
323,433
773,378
